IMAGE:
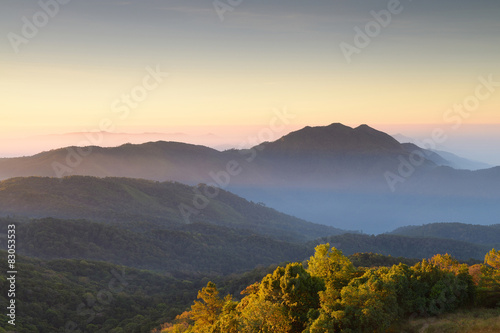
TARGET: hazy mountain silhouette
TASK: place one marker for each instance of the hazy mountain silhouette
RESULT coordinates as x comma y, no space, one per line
153,160
335,138
35,144
334,156
459,162
356,178
444,158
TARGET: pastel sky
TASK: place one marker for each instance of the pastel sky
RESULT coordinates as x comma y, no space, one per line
229,75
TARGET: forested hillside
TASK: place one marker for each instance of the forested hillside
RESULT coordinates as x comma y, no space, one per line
479,234
195,248
79,295
167,204
203,248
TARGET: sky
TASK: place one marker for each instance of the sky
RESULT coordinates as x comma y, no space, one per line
227,67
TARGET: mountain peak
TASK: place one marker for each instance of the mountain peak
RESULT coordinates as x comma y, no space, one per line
336,125
336,137
365,127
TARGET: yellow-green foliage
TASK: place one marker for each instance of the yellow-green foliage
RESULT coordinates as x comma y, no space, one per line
331,295
489,283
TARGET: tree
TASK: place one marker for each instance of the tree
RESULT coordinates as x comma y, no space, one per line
258,315
369,302
229,321
182,323
294,288
492,258
489,284
445,262
436,291
336,271
205,313
331,266
400,275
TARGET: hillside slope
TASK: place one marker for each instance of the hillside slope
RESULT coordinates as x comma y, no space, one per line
168,204
192,249
80,295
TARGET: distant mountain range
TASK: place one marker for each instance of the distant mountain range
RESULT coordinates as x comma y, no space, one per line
334,156
32,145
444,158
353,178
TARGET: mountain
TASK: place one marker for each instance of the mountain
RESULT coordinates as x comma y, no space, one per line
352,178
330,155
443,158
168,204
335,138
459,162
35,144
429,154
479,234
153,160
334,157
401,138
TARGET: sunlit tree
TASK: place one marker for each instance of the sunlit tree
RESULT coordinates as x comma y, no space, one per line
205,313
260,315
492,258
489,284
294,288
331,266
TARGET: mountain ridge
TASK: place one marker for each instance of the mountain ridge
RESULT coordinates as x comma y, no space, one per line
344,176
336,137
473,233
121,200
